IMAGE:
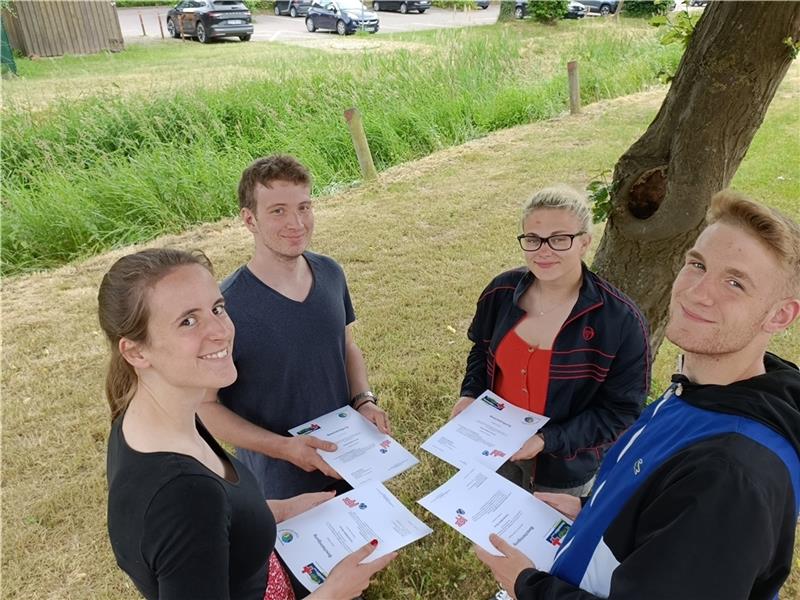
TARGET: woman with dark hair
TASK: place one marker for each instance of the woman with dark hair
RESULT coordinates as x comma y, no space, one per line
185,518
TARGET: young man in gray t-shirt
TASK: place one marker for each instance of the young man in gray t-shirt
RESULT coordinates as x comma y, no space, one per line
294,348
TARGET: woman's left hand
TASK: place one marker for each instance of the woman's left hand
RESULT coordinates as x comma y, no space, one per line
505,568
530,448
372,412
291,507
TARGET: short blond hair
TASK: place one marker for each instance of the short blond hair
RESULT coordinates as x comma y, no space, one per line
778,232
560,197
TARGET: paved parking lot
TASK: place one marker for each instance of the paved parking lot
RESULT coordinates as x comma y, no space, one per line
268,27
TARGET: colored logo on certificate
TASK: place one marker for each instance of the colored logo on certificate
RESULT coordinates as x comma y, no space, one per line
342,415
309,429
314,573
384,446
529,419
287,536
499,453
461,520
558,533
350,503
493,403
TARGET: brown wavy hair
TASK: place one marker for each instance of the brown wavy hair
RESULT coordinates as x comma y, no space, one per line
123,311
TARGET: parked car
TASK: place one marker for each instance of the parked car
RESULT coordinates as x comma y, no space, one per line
342,16
402,5
576,10
604,7
293,8
482,4
209,19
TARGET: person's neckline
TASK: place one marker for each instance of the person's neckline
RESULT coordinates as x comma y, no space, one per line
206,435
280,294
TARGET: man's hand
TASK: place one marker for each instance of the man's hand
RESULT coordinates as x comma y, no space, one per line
529,449
505,568
567,505
377,415
461,405
296,505
302,452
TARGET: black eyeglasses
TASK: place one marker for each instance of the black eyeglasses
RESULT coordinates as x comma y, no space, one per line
560,242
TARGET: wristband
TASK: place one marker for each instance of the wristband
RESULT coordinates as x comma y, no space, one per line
361,399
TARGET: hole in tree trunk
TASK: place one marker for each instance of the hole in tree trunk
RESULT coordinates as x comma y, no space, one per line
647,193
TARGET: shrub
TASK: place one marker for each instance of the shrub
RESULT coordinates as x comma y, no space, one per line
647,8
548,12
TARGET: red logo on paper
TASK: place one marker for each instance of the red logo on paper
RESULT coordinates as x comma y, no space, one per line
588,333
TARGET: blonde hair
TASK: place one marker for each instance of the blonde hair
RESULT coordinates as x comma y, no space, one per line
560,197
123,311
777,231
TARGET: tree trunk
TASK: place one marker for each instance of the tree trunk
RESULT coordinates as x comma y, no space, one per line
662,185
506,11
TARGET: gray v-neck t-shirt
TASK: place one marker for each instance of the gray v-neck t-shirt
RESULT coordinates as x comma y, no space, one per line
290,357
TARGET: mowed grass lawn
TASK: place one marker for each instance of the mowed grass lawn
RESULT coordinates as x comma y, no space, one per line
418,246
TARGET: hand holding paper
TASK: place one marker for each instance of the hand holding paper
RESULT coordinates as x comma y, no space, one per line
351,576
505,568
312,544
487,431
361,454
477,502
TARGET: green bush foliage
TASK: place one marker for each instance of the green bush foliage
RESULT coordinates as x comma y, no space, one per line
647,8
548,12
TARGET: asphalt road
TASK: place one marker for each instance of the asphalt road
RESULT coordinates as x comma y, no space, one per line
268,27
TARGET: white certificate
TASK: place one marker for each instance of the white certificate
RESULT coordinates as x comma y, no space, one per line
313,542
477,502
363,453
487,432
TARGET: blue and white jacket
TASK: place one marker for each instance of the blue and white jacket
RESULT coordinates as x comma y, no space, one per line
697,501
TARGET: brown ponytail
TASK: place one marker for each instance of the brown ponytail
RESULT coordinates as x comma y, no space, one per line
123,311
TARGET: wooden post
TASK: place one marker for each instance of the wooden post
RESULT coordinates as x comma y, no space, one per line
574,87
141,22
353,118
160,26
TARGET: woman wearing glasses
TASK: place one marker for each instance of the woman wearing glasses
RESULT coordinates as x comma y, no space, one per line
554,338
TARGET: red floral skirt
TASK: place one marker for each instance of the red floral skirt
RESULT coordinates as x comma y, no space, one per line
278,585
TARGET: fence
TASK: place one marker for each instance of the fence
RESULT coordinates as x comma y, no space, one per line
58,27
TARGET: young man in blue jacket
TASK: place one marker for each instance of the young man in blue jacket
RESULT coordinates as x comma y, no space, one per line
699,499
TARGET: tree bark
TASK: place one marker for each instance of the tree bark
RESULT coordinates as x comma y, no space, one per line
506,11
662,185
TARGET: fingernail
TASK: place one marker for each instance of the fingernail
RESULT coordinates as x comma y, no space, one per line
373,542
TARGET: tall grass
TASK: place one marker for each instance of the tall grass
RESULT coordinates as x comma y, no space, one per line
85,176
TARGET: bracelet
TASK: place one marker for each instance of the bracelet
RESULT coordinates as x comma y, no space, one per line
367,396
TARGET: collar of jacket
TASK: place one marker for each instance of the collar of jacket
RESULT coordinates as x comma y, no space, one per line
589,296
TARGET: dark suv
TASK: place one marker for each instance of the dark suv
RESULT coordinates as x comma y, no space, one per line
402,5
208,19
342,16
